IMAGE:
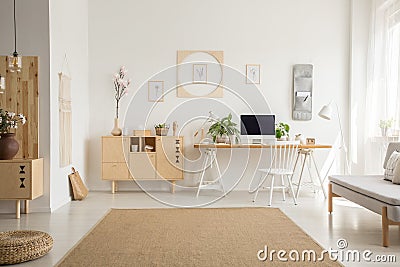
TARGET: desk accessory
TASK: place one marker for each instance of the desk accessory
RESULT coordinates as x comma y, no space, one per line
310,141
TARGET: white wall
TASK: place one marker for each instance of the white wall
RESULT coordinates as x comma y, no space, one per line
32,40
69,37
145,36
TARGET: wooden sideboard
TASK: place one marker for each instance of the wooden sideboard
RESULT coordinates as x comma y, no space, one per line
21,179
142,158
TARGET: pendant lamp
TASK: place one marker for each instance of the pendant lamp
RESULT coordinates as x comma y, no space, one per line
15,61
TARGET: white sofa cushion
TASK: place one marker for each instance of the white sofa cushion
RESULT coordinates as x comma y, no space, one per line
391,165
396,176
370,185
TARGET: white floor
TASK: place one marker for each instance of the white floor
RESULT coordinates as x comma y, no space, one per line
360,227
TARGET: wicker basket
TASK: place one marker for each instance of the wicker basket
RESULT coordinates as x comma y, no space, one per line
162,131
23,245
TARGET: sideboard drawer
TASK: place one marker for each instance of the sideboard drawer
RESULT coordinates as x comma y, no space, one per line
113,171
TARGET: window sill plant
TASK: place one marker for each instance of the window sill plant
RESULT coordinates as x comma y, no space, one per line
385,125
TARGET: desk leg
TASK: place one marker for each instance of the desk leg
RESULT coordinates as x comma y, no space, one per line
319,176
203,170
18,209
219,171
301,175
330,198
295,165
26,206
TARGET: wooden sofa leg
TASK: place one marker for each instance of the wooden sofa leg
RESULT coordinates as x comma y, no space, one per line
385,227
330,198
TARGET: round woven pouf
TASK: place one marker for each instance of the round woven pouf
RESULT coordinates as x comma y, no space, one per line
23,245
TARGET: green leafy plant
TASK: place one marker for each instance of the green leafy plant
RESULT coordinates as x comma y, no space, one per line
281,129
161,125
224,126
10,120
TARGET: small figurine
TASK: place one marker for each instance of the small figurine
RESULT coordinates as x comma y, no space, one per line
174,127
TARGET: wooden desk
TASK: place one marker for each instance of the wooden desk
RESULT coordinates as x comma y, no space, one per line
256,146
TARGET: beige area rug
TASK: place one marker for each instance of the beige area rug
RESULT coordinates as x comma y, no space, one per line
191,237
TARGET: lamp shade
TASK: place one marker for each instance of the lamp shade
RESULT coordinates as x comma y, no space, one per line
15,63
326,112
2,84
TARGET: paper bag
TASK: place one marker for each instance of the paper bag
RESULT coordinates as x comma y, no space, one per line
79,189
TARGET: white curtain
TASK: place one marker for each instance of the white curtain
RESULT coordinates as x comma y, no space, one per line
383,94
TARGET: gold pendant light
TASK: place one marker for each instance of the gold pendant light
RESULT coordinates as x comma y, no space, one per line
15,61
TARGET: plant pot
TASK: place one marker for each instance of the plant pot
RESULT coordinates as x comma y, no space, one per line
8,146
283,138
384,131
162,131
116,131
222,139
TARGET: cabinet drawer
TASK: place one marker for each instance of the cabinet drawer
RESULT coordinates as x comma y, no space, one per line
143,165
115,171
16,180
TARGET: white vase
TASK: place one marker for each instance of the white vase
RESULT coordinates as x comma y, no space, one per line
116,131
384,131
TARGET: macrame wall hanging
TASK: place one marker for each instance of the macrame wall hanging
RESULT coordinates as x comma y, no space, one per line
65,116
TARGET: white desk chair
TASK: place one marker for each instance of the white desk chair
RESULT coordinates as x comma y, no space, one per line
282,155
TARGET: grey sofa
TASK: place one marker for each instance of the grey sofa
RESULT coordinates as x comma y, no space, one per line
371,192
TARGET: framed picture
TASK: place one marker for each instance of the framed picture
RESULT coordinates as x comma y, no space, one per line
199,73
156,91
253,73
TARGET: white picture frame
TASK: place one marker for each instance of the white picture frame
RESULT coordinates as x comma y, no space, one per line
156,91
253,73
199,73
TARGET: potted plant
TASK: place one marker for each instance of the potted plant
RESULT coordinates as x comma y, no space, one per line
161,129
8,145
282,131
385,125
223,130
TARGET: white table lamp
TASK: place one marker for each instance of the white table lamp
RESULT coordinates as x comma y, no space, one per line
326,113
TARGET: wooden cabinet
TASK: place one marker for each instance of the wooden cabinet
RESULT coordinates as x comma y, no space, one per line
142,158
114,152
21,179
169,157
